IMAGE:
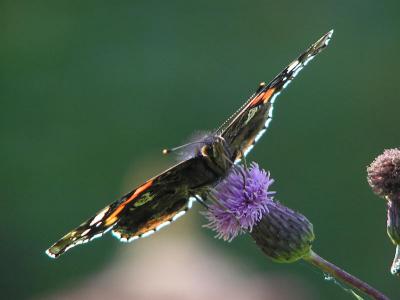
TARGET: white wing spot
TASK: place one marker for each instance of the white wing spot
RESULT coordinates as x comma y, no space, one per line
259,135
329,37
247,151
99,216
109,228
178,215
308,60
71,246
293,65
286,84
268,122
162,225
85,232
297,67
297,71
270,112
50,254
96,236
190,202
133,238
116,234
146,234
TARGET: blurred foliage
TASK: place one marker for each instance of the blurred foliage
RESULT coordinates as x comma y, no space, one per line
89,88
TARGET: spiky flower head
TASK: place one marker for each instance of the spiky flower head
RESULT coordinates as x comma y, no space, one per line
245,204
243,199
384,179
384,173
284,235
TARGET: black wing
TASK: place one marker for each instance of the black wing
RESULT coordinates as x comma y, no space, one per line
245,128
145,209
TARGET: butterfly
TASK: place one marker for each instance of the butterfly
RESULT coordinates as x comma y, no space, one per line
167,196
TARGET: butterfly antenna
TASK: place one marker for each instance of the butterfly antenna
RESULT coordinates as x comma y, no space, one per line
170,150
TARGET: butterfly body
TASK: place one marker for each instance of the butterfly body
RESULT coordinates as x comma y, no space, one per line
165,197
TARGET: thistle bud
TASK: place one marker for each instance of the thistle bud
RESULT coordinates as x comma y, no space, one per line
284,235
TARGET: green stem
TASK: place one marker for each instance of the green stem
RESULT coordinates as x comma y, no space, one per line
343,276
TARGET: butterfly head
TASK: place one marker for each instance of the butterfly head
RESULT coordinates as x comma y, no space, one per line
218,153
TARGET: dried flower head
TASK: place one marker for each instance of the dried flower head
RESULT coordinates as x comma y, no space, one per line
244,204
384,179
384,173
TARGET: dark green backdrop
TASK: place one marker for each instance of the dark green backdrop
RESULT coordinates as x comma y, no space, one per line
88,88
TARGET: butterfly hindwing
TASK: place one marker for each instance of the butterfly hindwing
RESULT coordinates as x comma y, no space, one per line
143,221
170,196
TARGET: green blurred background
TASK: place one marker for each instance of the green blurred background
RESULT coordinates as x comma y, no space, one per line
92,91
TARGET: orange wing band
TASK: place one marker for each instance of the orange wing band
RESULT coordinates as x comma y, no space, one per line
114,216
263,97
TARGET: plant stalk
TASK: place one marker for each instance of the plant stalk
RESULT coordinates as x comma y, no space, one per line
343,276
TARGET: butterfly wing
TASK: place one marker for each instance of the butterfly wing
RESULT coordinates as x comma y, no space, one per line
170,196
246,127
146,209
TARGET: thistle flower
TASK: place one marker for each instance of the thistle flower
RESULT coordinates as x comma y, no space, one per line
384,179
384,173
243,203
243,199
284,235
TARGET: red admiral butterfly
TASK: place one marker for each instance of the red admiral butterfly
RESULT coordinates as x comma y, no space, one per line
166,197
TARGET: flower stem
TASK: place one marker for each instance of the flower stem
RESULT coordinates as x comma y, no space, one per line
343,276
395,269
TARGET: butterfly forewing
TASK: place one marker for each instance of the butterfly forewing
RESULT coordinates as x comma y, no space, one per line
248,125
145,209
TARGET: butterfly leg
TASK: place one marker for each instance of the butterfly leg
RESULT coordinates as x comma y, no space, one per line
200,200
244,158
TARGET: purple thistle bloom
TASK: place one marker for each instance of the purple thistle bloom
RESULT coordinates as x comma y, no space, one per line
243,199
244,204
